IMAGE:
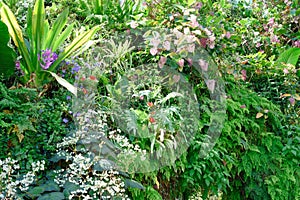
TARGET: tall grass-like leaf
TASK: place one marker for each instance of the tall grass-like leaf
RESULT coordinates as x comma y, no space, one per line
76,44
46,32
62,37
15,32
38,21
58,26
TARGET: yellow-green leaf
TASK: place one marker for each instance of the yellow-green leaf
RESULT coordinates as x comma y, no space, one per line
65,83
259,115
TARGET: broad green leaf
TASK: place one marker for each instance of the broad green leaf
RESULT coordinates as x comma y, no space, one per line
289,56
133,184
7,55
15,32
36,191
52,196
65,83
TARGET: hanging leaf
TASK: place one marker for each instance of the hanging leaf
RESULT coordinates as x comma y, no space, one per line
65,83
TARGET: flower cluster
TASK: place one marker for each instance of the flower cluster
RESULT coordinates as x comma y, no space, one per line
48,57
92,182
11,181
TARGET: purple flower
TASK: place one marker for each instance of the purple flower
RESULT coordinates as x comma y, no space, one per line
198,5
244,74
65,120
275,39
48,57
68,98
76,68
292,101
285,71
297,43
271,22
18,65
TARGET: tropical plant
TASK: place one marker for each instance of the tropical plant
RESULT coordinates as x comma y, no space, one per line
39,51
7,54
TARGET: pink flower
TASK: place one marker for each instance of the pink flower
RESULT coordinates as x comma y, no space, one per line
191,48
167,45
194,22
297,43
181,62
292,101
258,45
203,42
155,42
133,24
285,71
162,61
190,61
243,106
153,51
176,78
227,35
211,85
274,39
271,22
203,64
244,74
198,5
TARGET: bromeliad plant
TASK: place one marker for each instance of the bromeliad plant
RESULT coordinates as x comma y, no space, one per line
39,51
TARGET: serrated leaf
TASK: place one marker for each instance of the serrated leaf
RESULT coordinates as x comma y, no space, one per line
65,83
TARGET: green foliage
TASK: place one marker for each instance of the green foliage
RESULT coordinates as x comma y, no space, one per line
41,38
289,56
257,155
113,14
27,131
6,53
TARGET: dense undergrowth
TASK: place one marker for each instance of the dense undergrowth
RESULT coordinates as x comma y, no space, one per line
128,107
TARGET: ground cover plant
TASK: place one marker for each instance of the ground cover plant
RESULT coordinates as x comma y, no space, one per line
132,99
